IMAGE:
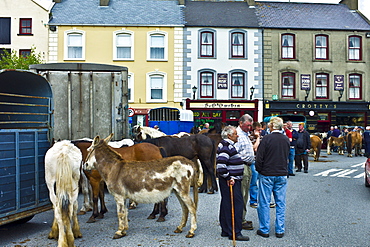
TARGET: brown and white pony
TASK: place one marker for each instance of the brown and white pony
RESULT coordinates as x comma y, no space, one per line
146,182
62,173
336,141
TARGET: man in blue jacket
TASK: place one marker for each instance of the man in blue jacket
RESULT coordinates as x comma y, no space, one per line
302,147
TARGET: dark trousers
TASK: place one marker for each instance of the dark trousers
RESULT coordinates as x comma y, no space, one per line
298,161
225,207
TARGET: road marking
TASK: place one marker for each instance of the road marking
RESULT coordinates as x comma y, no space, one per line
361,164
326,173
344,173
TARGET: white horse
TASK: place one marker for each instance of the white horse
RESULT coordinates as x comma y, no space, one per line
142,132
62,172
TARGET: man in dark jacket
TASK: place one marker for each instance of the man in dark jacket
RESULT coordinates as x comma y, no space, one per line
272,166
302,147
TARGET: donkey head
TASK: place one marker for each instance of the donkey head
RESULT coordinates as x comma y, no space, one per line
90,159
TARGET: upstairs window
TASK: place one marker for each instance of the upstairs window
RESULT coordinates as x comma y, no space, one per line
123,45
75,45
25,26
288,85
207,44
354,87
237,45
321,47
288,46
322,86
237,85
156,87
157,46
5,30
206,84
354,48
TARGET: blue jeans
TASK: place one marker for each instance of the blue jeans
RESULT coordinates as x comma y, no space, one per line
276,185
291,161
253,188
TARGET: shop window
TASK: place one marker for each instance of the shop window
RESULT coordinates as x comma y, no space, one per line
288,85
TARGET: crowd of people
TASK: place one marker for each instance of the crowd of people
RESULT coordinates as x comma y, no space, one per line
254,162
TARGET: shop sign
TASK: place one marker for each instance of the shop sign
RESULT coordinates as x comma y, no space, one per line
221,81
306,82
221,105
338,82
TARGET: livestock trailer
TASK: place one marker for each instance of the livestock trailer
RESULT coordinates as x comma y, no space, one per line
171,120
26,133
89,99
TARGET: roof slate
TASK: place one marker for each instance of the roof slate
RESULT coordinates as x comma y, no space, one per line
219,14
119,12
309,16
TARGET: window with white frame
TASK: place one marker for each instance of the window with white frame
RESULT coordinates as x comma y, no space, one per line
156,87
75,45
322,86
207,46
354,88
321,47
238,45
131,87
287,46
206,84
288,85
355,48
237,85
157,48
123,43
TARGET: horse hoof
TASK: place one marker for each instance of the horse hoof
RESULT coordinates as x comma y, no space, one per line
161,219
190,235
150,217
202,191
81,213
78,235
117,236
178,230
210,192
131,207
91,220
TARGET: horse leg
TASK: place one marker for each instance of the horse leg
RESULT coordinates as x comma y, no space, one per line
211,172
103,208
53,234
203,187
185,213
122,212
87,193
164,211
187,206
75,227
96,189
154,212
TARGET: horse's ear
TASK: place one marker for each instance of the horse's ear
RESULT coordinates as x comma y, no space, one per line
96,140
108,138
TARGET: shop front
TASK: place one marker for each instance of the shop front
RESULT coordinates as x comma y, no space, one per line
321,115
226,111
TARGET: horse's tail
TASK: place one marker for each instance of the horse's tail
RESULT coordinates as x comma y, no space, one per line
64,181
163,152
349,144
197,181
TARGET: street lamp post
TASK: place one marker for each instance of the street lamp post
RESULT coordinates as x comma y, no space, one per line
340,94
194,91
252,92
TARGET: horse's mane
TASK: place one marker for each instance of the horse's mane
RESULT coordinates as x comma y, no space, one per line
152,132
107,149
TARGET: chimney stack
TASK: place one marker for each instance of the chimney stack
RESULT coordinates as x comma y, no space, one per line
352,4
57,1
104,2
251,3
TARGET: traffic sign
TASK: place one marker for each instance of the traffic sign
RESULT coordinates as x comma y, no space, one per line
131,112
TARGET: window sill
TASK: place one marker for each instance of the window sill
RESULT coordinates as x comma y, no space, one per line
121,59
289,59
355,61
74,59
322,60
157,101
207,57
25,34
157,60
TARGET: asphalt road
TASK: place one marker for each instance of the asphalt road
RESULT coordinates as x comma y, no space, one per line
329,206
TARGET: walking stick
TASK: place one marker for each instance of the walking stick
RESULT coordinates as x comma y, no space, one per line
232,213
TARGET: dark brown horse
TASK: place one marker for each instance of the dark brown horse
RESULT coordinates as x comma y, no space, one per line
138,152
192,147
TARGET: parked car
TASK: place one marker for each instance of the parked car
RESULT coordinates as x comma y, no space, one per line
367,172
